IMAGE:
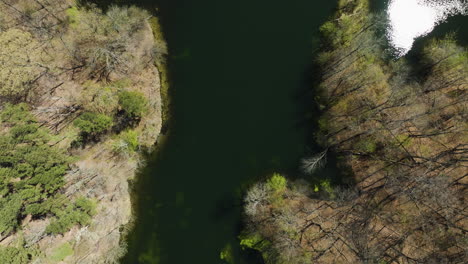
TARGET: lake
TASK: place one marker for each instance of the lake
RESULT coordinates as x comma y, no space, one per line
239,81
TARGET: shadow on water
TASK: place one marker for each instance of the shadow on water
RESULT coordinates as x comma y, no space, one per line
378,5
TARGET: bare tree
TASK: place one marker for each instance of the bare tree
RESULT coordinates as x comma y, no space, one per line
256,199
311,164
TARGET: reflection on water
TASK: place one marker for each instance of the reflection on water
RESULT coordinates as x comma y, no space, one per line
410,19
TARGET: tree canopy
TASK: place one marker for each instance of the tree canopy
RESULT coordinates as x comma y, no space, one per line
31,172
133,103
93,123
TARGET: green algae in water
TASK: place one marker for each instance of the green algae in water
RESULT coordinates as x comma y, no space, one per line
227,254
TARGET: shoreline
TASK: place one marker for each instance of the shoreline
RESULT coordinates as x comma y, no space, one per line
161,65
97,171
388,156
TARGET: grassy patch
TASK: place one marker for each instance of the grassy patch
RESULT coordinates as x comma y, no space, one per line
367,145
61,252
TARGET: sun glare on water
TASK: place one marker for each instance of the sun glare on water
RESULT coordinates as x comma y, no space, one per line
410,19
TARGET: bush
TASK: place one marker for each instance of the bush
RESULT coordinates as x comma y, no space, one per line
367,145
93,124
18,56
276,186
277,183
328,30
134,104
97,98
326,187
255,241
80,212
126,143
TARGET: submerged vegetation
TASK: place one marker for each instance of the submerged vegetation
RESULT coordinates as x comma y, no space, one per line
401,131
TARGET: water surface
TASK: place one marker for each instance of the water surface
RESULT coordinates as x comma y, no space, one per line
238,74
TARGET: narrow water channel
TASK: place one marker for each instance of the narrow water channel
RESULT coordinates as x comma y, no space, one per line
238,73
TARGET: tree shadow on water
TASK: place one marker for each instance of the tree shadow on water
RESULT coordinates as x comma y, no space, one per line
312,103
151,6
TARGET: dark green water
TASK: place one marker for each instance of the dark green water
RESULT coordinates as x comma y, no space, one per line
238,81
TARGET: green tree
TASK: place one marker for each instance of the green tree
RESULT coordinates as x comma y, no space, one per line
277,186
126,143
92,124
10,210
13,255
277,183
134,104
31,171
80,212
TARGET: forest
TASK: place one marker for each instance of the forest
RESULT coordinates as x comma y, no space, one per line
73,80
398,130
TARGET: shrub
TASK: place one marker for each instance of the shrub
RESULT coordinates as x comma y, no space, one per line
367,145
93,124
72,14
80,212
134,104
276,187
326,187
18,55
277,183
97,98
253,241
328,30
126,143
